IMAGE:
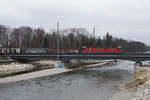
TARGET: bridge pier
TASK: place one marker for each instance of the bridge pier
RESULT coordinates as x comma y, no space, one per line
115,60
137,67
65,61
138,63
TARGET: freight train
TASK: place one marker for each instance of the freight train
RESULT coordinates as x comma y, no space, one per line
84,50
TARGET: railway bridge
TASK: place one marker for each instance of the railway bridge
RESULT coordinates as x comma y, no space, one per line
136,57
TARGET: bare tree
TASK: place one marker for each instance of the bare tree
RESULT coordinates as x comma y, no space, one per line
4,32
26,35
39,35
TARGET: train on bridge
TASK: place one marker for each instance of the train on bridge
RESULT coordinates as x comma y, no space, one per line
68,54
117,49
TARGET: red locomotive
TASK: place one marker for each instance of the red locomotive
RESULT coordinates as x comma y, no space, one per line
117,49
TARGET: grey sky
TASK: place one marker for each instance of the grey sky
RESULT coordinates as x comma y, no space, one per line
122,18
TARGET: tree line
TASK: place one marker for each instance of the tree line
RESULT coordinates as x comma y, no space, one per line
27,37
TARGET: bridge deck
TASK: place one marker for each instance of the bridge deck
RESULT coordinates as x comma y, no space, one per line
132,57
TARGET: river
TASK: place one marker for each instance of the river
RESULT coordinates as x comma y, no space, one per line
97,83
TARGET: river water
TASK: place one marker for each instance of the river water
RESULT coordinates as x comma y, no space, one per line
98,83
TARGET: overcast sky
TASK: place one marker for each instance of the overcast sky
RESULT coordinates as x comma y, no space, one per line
122,18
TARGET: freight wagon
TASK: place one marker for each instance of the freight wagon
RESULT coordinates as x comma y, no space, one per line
10,50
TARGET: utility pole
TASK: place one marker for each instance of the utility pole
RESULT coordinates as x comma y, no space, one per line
58,42
94,31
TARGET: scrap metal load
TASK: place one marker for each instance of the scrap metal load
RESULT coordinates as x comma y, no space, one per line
10,50
62,50
34,51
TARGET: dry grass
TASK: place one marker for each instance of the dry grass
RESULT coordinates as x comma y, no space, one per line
138,79
145,65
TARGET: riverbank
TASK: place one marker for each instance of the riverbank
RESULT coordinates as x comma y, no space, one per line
17,68
46,72
138,88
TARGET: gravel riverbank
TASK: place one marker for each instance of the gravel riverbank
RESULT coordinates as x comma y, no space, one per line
138,88
16,68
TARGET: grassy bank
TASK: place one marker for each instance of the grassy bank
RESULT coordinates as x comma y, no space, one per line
139,78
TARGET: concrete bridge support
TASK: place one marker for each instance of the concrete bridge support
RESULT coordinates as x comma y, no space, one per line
66,62
139,63
137,67
115,60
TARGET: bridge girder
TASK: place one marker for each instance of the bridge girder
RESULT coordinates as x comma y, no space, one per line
135,58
